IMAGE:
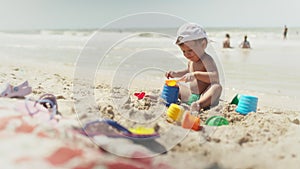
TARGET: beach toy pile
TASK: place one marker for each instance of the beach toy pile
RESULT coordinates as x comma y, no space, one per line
175,113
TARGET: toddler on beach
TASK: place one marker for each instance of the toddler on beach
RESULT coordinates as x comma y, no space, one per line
202,73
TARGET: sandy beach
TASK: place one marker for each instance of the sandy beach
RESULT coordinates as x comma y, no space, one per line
90,78
268,138
82,85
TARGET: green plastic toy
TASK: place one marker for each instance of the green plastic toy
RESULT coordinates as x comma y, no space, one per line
216,121
236,99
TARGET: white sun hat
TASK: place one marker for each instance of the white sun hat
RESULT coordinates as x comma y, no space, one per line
189,32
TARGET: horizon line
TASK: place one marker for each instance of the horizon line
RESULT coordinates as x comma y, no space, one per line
141,28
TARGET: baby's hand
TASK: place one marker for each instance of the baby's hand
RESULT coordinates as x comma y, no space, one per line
189,77
195,106
169,74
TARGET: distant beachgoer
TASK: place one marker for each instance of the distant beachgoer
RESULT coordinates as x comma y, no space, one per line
285,30
245,43
226,42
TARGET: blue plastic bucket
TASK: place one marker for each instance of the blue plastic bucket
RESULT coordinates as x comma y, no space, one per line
170,94
247,104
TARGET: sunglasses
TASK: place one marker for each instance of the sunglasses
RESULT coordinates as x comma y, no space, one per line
47,100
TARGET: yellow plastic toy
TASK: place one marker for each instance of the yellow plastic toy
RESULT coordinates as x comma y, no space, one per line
142,130
175,112
171,82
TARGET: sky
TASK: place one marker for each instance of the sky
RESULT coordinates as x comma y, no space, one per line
91,14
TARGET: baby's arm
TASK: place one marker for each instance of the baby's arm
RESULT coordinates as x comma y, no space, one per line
207,77
211,74
172,74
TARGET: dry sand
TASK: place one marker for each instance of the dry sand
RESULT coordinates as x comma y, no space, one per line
268,138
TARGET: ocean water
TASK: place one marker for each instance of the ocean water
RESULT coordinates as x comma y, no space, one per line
269,70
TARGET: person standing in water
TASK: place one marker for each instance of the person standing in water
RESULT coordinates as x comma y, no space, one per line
285,30
226,42
245,43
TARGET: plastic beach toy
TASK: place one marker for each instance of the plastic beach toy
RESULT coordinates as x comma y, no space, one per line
170,94
236,99
171,82
247,104
175,112
16,91
142,130
101,127
191,122
216,121
140,95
